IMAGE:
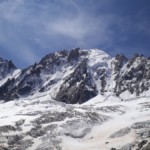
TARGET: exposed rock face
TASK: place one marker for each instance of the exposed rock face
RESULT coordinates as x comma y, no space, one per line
73,55
134,76
120,60
78,75
78,87
6,67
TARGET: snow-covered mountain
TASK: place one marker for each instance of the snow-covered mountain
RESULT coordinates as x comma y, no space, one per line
76,100
78,75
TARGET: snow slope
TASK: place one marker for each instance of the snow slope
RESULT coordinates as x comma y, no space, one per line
100,123
99,137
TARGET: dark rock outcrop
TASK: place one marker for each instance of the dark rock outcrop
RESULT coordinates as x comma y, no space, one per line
134,77
78,87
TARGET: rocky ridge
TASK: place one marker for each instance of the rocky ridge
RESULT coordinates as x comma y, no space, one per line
77,75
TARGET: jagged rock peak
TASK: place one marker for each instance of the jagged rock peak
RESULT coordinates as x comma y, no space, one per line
118,62
6,67
9,62
121,57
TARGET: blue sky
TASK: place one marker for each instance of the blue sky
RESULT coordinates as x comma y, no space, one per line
30,29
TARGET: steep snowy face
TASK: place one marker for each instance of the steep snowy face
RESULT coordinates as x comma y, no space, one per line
69,76
97,58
